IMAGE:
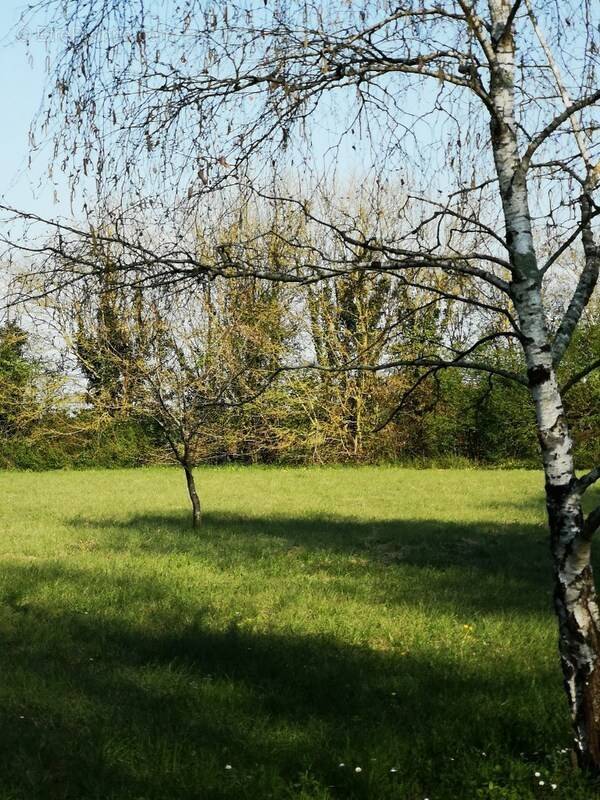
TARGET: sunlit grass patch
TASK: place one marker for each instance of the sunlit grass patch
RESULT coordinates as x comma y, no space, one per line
394,621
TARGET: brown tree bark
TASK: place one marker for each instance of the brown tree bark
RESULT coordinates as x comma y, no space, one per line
195,500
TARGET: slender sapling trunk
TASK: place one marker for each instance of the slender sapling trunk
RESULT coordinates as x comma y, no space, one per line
195,500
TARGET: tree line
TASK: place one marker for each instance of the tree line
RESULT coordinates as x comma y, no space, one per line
223,373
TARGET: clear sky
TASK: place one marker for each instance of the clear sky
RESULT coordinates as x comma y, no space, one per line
23,85
24,89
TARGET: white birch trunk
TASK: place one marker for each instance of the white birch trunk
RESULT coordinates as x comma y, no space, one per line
574,594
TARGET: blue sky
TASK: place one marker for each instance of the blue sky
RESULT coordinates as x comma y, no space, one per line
23,85
24,89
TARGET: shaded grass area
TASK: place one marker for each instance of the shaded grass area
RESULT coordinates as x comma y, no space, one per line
394,621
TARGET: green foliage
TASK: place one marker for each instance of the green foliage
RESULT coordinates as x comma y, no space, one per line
243,330
489,421
323,617
81,443
103,342
17,373
465,420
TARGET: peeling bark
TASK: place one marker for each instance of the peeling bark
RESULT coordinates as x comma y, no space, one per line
575,599
576,606
588,280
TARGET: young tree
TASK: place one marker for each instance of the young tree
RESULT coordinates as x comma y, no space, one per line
486,109
202,363
187,367
175,387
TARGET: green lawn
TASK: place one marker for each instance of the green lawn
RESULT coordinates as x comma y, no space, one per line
324,620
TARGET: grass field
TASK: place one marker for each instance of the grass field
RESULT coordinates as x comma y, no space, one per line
331,633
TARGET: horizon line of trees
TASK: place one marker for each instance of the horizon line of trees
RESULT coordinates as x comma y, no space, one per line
224,375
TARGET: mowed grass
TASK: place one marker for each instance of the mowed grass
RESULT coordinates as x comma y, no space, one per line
330,633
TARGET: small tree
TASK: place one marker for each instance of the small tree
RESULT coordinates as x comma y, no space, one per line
199,365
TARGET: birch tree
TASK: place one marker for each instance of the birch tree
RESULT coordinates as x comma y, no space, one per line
486,111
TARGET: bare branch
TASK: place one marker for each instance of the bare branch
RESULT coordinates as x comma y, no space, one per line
588,280
574,380
588,480
554,125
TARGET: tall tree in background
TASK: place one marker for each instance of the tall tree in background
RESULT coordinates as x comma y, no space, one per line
105,340
366,317
32,395
17,375
261,337
488,112
347,322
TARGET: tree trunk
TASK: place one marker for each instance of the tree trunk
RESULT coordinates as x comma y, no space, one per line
195,500
575,599
574,591
576,607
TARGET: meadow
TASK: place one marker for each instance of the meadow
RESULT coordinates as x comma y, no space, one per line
368,633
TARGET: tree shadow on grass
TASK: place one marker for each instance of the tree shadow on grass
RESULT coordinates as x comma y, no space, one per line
463,568
537,503
97,705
